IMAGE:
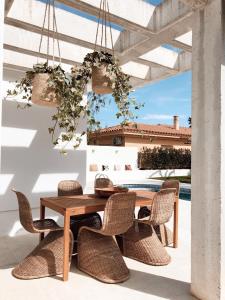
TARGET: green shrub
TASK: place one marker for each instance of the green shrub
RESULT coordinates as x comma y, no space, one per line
164,158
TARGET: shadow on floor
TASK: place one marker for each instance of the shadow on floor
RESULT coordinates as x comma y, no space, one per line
14,249
160,286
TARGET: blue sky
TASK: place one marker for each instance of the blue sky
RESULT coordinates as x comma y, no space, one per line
162,100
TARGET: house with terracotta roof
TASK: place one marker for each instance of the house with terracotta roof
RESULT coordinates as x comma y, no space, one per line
143,135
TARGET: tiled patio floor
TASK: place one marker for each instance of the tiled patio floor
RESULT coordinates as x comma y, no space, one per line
146,282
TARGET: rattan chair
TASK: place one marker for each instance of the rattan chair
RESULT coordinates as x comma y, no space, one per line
141,242
26,219
45,260
164,233
71,188
98,252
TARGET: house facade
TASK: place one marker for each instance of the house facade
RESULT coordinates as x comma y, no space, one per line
144,135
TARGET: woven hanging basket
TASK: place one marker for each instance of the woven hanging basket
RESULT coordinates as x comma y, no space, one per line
101,84
41,93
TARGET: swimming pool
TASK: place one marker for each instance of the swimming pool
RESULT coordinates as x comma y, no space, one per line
185,193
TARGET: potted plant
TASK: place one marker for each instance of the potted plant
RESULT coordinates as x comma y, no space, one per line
117,83
42,85
101,63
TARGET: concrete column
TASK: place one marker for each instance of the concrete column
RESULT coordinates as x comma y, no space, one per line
2,11
208,153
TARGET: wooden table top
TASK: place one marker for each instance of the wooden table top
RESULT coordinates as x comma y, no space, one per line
87,203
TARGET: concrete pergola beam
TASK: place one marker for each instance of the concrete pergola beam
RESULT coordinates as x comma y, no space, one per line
21,16
141,12
135,45
8,5
38,54
164,37
62,37
181,45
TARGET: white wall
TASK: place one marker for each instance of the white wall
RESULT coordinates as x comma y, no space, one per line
112,155
29,162
2,10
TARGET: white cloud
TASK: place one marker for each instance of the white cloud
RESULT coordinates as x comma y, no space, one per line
159,117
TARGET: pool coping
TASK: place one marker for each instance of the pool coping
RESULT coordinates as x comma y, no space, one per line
153,181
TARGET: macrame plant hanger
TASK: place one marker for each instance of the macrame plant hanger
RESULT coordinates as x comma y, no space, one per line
103,19
100,82
50,13
41,93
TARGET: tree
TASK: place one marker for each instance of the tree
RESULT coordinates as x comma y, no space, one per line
189,121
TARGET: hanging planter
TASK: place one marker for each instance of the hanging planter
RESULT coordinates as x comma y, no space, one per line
42,94
41,85
101,84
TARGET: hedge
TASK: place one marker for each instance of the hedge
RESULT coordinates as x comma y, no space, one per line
164,158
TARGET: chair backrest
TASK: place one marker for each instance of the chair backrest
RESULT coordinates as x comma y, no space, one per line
25,213
162,206
69,188
119,213
171,184
103,182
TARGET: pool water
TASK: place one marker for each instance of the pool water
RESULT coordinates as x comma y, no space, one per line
185,193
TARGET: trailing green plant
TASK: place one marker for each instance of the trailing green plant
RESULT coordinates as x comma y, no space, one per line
120,84
70,109
70,89
164,158
57,78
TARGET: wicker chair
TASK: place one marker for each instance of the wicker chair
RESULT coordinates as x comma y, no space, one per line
141,242
164,233
70,188
45,260
98,252
26,219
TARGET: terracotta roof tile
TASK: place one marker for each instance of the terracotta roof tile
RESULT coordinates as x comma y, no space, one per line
138,128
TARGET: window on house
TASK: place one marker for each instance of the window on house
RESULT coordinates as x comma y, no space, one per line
117,140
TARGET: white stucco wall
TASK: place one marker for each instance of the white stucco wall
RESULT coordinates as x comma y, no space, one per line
112,155
29,161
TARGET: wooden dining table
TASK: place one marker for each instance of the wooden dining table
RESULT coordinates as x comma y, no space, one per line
88,203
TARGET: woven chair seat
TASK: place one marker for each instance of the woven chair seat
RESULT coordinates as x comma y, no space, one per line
141,243
165,235
100,257
45,260
98,252
46,224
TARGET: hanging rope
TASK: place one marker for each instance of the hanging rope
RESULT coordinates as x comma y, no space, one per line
50,5
105,23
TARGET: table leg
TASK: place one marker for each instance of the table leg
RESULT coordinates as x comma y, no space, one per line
66,245
175,223
42,216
